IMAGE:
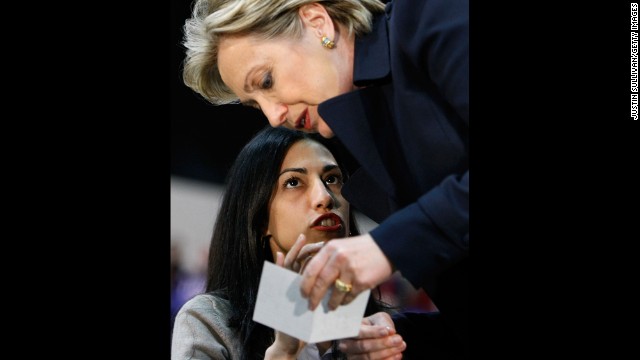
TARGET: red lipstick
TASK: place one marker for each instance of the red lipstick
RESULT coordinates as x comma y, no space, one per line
327,222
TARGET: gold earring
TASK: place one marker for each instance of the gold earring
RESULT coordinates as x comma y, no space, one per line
328,43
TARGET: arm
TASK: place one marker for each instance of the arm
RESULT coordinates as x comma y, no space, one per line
435,228
432,38
430,234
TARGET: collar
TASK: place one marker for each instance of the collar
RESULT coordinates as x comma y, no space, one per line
371,54
351,117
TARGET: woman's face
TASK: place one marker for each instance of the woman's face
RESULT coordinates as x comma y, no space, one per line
308,198
284,78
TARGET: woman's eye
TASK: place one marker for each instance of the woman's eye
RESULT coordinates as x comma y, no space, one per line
291,182
267,81
333,179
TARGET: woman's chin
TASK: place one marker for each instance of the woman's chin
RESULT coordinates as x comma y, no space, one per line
325,130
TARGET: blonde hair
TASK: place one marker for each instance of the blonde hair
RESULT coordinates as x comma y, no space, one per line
212,19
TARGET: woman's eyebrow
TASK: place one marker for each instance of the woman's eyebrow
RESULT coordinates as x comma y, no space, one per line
247,84
298,170
329,167
325,168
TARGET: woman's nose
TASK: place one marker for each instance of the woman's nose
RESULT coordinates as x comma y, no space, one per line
276,113
322,196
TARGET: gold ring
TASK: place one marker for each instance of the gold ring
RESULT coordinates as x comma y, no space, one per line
342,287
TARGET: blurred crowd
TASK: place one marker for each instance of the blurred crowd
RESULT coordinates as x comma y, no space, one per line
184,283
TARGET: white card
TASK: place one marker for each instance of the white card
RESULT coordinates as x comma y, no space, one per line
281,306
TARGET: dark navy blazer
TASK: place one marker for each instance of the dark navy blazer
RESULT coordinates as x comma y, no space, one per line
407,126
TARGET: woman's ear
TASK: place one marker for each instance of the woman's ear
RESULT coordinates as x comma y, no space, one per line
315,17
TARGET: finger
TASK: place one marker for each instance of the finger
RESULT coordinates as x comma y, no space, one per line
279,258
323,283
288,342
373,343
310,249
312,270
380,318
362,343
378,325
336,265
349,297
338,296
292,254
305,255
373,332
322,271
373,348
303,264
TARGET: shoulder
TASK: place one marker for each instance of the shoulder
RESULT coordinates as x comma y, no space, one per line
205,311
414,15
206,303
201,329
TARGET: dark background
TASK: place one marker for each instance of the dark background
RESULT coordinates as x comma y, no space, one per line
205,139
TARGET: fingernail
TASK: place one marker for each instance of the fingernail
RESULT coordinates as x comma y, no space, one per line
391,331
395,340
384,332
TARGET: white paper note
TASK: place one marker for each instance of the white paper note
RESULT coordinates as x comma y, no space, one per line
281,306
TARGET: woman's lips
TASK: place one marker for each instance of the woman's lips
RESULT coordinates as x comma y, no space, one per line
304,121
307,120
327,222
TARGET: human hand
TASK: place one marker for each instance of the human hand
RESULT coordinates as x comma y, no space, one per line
377,339
300,253
285,346
357,261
